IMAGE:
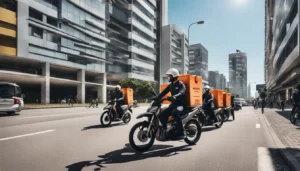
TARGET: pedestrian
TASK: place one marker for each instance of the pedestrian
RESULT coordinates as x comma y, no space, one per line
92,103
263,98
97,102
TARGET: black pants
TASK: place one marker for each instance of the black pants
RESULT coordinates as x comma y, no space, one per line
209,110
294,108
119,109
232,112
172,110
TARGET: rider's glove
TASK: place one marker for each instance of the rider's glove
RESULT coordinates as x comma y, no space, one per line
171,98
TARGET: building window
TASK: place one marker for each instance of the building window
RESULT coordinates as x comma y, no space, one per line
290,46
36,32
52,37
52,21
142,59
142,71
35,14
143,10
140,20
142,34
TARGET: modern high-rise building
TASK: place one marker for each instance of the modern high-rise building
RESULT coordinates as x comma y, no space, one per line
214,79
238,74
174,51
222,82
282,47
59,48
198,65
251,90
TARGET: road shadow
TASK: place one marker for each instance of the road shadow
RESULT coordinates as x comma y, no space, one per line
280,163
100,126
7,115
284,114
127,154
207,129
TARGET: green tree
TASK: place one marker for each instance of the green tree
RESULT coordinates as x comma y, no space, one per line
129,83
142,89
226,90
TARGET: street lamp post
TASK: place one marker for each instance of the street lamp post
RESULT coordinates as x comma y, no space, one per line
199,22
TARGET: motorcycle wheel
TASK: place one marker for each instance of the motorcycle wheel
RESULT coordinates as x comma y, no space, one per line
105,119
293,118
220,123
141,136
194,131
127,117
225,116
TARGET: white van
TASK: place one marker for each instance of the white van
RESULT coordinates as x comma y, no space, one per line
11,100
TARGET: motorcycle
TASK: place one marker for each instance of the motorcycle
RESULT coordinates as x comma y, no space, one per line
294,116
237,107
206,119
152,129
228,111
110,114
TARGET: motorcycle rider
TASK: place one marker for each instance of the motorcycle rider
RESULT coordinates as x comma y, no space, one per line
296,97
119,96
232,105
177,98
208,103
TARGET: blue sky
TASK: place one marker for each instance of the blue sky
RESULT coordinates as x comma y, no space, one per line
229,25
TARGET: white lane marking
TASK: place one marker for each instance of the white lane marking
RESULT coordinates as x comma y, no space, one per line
264,160
29,117
257,125
25,135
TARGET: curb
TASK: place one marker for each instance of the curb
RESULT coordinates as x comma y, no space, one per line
288,157
56,107
53,107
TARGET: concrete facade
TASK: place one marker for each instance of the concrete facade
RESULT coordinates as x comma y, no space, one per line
85,45
198,61
174,51
282,61
238,74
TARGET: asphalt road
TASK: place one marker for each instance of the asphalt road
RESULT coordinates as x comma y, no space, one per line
73,139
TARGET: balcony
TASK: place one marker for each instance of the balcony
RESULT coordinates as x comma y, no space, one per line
8,50
153,2
8,16
140,39
146,6
8,32
142,27
142,52
142,15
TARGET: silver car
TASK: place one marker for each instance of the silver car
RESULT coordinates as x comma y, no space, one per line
11,100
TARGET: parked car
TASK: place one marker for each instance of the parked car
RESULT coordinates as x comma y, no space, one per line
11,100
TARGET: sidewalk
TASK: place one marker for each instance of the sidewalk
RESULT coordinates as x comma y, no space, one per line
288,134
46,106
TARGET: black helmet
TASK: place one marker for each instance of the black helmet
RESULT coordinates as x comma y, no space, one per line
298,87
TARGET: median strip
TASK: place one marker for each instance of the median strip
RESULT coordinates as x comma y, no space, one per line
26,135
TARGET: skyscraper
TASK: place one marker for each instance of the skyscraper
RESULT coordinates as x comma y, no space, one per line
214,79
198,61
238,73
174,51
282,47
80,48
